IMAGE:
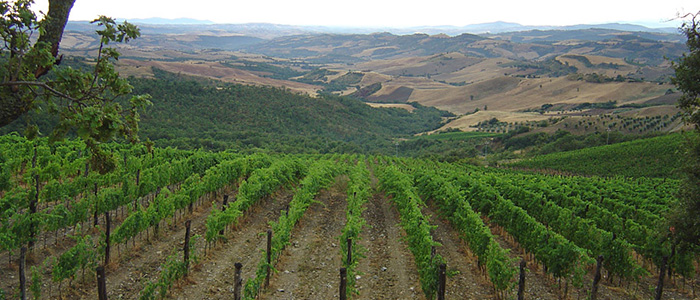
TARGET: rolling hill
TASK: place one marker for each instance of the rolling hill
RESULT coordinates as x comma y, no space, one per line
508,73
190,112
652,157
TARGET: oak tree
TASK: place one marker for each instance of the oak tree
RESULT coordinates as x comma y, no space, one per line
85,102
685,220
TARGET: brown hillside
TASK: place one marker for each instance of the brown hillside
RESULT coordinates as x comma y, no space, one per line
212,70
515,94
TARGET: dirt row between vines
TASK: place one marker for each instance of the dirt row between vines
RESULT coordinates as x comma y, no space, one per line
53,244
308,267
389,267
213,277
465,280
128,273
544,286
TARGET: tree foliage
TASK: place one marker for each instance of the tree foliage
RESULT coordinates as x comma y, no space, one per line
687,77
83,101
684,222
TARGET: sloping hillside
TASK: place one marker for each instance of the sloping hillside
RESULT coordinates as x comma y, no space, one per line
187,114
507,74
653,157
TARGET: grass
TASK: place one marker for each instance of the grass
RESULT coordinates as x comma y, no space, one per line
459,136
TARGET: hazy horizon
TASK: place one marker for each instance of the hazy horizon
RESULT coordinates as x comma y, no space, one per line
188,21
391,13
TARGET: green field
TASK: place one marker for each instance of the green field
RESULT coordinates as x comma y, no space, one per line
653,157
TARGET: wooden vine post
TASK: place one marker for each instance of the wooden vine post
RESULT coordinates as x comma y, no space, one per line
521,283
660,286
32,205
442,278
94,215
108,223
223,209
22,276
237,282
188,223
349,258
596,278
269,257
101,283
157,224
343,284
138,178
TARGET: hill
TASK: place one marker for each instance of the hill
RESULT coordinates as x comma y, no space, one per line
652,157
189,112
530,75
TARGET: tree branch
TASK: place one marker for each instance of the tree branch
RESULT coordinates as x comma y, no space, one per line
39,84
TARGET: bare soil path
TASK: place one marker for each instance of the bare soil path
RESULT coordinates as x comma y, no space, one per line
213,278
389,270
127,275
309,267
465,280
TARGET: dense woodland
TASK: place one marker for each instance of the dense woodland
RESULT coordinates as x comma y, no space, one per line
189,114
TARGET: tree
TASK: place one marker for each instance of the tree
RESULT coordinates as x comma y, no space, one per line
85,102
687,77
685,221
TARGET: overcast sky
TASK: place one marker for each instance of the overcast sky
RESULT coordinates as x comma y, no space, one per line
392,13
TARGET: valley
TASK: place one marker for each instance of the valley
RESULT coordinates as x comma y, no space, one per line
510,75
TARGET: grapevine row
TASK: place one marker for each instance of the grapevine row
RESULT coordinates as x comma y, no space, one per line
561,257
261,183
454,205
358,193
320,175
399,187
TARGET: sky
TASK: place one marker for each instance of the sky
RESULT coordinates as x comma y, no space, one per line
391,13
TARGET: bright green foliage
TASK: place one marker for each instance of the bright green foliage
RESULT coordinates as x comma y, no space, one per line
684,224
320,175
454,206
561,221
261,183
653,157
80,256
35,283
166,204
358,193
172,270
83,101
611,215
561,256
399,187
582,232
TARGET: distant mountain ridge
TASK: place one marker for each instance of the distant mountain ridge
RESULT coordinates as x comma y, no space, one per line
269,30
316,45
163,21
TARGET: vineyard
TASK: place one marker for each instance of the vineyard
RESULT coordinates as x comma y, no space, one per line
587,123
174,224
656,157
